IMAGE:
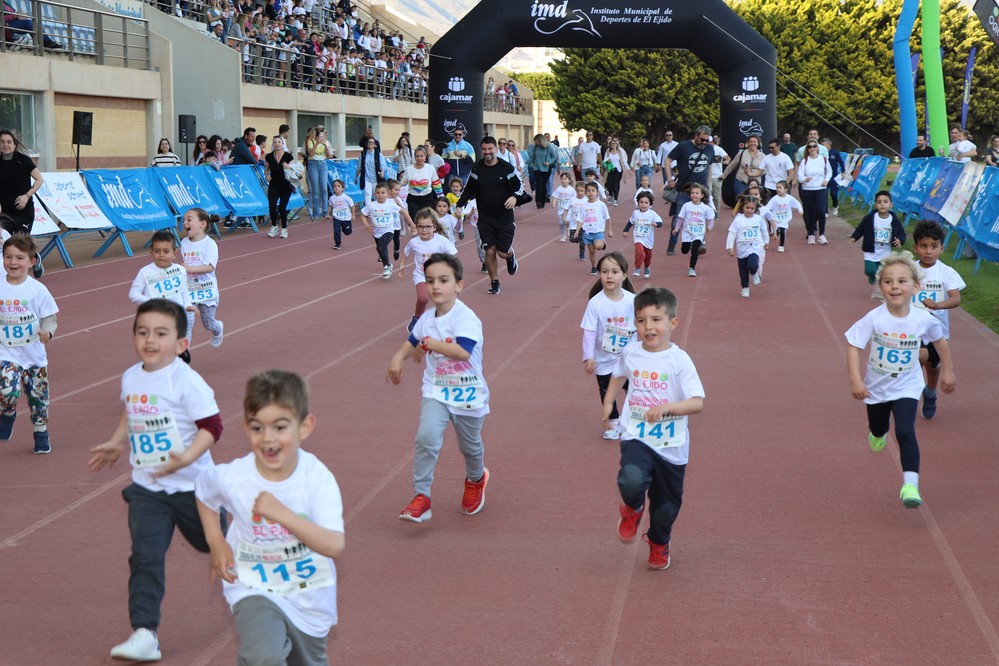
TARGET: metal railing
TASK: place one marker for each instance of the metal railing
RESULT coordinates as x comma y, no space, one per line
507,103
41,27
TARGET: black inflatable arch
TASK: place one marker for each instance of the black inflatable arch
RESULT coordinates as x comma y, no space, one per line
744,60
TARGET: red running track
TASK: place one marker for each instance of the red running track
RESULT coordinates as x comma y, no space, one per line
791,548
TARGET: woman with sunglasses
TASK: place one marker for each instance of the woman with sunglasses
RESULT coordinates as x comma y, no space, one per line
814,174
199,150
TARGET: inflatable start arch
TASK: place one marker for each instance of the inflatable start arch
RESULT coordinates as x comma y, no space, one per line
745,61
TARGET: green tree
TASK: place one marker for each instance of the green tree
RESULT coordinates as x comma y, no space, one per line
540,83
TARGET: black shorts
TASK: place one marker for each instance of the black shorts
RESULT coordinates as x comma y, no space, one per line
934,358
496,231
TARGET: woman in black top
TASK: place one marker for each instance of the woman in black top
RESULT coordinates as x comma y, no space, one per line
17,171
279,188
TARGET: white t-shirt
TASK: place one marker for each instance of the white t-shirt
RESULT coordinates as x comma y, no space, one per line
154,282
382,215
564,194
747,235
204,287
422,249
449,222
655,378
4,235
589,154
696,218
311,491
613,322
162,409
593,216
644,227
22,308
893,370
812,173
573,213
460,385
938,280
665,148
775,169
617,158
959,147
342,207
882,238
717,167
781,208
640,158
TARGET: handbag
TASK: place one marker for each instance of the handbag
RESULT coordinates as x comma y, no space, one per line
670,194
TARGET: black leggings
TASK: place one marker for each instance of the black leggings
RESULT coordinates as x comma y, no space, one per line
694,248
277,198
603,381
416,204
613,184
781,233
747,267
904,411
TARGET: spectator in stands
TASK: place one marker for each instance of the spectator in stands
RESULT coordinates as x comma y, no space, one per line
19,180
18,30
241,153
992,153
214,149
491,94
164,155
259,148
922,149
200,148
961,147
460,155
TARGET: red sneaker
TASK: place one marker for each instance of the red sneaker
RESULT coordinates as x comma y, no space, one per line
627,527
475,494
418,510
658,555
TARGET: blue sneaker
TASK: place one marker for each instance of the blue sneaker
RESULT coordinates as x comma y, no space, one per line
42,445
7,426
929,405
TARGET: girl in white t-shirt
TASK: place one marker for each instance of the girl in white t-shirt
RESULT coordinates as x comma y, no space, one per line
608,326
341,211
780,209
201,256
445,219
747,237
694,219
431,237
891,381
561,198
644,221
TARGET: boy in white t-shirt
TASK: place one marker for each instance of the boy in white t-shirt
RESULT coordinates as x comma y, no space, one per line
169,424
663,389
379,219
645,221
276,561
693,221
591,177
454,387
594,221
572,216
644,186
163,278
27,325
341,210
881,231
561,198
939,291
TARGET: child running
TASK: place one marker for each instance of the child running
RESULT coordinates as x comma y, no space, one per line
341,210
561,198
881,231
939,291
395,196
891,383
694,219
608,327
747,237
276,561
454,193
572,216
663,390
431,238
169,423
27,325
780,209
163,278
201,256
445,219
645,221
454,388
595,221
644,186
379,219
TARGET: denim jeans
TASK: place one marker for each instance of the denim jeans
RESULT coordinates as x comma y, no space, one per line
316,175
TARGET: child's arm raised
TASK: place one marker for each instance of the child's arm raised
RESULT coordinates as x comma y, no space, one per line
449,349
953,300
203,441
107,454
857,387
319,539
223,563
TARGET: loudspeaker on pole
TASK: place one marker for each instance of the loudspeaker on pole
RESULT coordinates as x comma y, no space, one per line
188,129
83,128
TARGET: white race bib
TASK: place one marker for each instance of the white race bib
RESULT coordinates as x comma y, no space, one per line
341,211
933,290
643,230
383,221
882,235
153,437
669,432
696,229
456,384
202,288
18,328
749,235
891,355
284,569
165,283
615,338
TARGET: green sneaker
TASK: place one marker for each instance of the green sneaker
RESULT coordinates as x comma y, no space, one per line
910,496
877,443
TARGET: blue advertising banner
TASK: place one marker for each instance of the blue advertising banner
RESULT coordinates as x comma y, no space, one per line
240,187
868,180
926,175
903,184
980,225
190,187
940,190
130,198
345,171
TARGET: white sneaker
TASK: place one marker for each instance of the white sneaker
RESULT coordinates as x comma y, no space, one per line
615,202
757,279
217,339
691,272
835,210
811,240
142,645
387,273
561,239
636,273
273,232
823,240
745,292
648,273
614,432
780,248
284,233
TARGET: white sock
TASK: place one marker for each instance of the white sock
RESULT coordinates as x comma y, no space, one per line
911,477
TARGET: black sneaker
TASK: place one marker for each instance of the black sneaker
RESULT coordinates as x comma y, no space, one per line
38,270
336,247
42,445
670,252
395,255
484,269
511,263
494,287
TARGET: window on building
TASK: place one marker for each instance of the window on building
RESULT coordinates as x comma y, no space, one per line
355,127
17,112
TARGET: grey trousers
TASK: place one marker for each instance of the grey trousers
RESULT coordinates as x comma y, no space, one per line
434,417
268,638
